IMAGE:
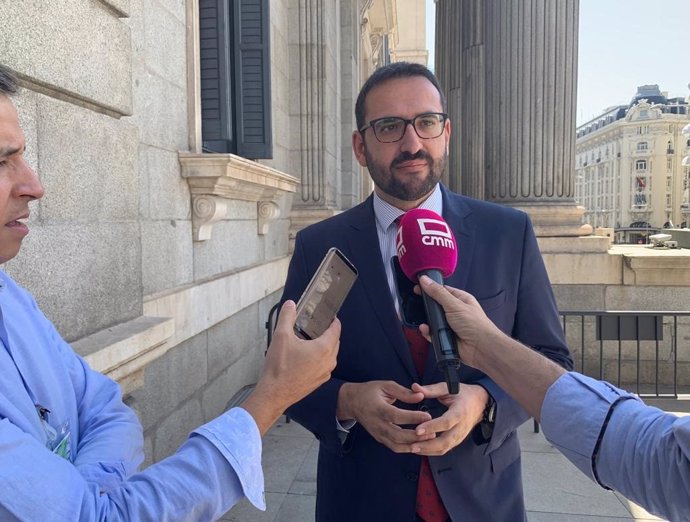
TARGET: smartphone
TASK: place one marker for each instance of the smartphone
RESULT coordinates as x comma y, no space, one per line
324,294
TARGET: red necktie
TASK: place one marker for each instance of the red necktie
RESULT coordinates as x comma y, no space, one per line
429,504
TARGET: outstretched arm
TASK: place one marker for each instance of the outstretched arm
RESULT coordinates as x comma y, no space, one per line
214,468
608,433
294,368
523,373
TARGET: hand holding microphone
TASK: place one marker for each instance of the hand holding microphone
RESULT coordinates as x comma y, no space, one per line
426,246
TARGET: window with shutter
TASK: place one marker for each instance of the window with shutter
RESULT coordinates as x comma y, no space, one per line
235,77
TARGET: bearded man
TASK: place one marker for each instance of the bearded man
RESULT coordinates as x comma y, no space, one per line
374,464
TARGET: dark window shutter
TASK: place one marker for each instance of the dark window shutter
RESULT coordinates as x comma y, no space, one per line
253,79
216,76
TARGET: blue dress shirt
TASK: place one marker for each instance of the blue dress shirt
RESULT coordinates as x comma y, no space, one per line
620,442
213,469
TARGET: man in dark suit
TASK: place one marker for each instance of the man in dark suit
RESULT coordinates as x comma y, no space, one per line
365,415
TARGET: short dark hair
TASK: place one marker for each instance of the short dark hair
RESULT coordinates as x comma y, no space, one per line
389,72
8,82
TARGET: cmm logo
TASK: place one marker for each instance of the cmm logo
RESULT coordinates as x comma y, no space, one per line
435,233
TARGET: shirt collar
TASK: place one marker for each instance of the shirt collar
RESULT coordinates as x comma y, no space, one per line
386,213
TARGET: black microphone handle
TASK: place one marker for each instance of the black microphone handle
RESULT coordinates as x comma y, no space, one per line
442,336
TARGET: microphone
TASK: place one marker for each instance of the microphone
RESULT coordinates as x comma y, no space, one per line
426,246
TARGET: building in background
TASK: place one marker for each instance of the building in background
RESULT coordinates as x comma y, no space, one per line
629,166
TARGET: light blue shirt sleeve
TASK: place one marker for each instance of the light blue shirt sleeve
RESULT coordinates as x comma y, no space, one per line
101,424
219,464
104,436
620,442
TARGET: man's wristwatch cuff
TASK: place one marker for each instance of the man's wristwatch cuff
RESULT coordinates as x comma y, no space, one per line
485,428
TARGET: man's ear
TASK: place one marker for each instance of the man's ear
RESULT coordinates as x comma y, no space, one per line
358,148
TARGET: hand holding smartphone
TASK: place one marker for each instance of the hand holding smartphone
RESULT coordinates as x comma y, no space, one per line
324,294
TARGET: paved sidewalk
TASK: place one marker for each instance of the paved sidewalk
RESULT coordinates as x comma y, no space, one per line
555,491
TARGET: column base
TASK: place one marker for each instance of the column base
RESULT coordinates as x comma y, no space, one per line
556,220
303,217
580,260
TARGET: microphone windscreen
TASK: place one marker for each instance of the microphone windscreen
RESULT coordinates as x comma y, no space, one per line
425,242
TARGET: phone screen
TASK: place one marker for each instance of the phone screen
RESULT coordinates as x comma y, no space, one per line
325,294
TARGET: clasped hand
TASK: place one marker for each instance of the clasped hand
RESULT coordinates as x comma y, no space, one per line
372,404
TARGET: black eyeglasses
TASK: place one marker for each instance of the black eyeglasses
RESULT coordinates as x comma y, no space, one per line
392,128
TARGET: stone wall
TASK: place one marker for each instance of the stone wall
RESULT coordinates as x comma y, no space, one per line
623,278
111,256
197,378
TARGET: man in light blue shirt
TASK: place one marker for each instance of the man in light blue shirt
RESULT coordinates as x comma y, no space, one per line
70,448
608,433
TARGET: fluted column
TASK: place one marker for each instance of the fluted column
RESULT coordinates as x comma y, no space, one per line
314,105
510,70
310,93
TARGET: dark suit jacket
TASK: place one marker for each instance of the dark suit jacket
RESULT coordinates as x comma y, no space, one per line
500,264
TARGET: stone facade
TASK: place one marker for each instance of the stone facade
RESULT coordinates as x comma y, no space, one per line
158,260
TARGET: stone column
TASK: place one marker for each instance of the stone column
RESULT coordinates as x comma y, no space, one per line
509,68
351,56
314,106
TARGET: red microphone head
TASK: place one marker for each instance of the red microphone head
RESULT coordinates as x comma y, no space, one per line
425,242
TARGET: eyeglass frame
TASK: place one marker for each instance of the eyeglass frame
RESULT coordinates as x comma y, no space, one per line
407,122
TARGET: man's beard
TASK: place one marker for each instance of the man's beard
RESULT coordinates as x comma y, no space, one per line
406,189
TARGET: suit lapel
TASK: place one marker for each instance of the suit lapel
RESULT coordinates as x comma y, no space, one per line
458,215
365,252
364,246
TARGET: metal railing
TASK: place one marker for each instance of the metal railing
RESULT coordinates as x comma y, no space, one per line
635,350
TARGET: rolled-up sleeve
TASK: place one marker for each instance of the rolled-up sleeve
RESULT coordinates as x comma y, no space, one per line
622,443
574,413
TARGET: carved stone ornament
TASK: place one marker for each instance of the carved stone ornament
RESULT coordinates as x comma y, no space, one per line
206,211
267,211
214,179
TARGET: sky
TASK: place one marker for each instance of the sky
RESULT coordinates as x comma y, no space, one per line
627,43
623,44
